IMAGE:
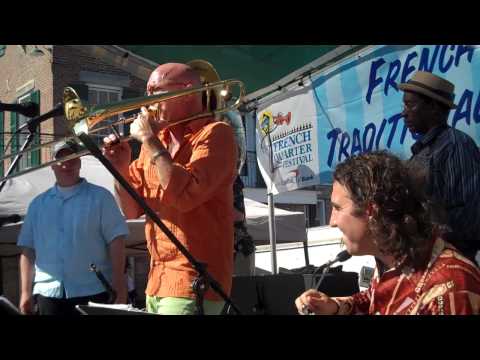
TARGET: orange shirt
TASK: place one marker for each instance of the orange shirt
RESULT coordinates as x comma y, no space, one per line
196,206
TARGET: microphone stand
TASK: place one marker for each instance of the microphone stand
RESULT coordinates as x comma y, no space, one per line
17,158
204,280
324,272
325,269
30,125
112,294
341,257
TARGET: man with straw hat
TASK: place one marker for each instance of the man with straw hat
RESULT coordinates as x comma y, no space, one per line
448,160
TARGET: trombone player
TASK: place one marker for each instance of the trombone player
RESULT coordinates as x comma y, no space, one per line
185,172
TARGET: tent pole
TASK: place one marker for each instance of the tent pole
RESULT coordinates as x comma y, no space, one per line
271,230
271,208
305,243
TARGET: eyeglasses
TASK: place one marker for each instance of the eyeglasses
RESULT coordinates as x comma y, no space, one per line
410,106
174,85
157,92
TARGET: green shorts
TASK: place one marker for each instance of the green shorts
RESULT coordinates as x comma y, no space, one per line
181,306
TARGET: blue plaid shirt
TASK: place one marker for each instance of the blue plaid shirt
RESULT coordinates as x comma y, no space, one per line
452,163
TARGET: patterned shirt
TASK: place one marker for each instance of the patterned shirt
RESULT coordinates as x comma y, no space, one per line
451,161
449,285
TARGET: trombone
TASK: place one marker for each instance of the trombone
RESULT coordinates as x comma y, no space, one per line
80,118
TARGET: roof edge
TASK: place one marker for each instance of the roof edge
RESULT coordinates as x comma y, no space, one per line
122,58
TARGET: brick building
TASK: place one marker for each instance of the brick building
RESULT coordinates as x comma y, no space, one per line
100,74
39,73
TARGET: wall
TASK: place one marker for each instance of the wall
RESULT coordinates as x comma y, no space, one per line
74,67
19,68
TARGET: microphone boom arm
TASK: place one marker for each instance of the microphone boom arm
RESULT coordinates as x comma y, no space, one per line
31,125
34,122
28,109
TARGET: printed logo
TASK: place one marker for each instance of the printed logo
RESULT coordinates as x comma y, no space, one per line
281,119
269,122
266,122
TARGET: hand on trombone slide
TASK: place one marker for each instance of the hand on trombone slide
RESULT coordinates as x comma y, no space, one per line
142,128
117,152
147,124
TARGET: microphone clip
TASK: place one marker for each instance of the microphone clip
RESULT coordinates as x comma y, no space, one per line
32,124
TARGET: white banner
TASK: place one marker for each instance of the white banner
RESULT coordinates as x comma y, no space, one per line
355,107
290,125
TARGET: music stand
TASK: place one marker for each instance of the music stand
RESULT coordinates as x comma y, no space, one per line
99,310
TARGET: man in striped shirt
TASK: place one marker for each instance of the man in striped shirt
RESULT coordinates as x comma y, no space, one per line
446,158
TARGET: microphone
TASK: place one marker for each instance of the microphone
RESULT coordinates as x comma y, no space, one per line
341,257
29,109
33,123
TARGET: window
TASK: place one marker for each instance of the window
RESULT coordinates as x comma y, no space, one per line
103,95
31,158
2,50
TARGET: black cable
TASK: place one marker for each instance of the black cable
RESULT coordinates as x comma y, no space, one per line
324,272
314,274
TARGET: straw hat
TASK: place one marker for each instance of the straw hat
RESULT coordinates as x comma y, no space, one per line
432,86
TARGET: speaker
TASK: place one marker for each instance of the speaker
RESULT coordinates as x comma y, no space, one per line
276,294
